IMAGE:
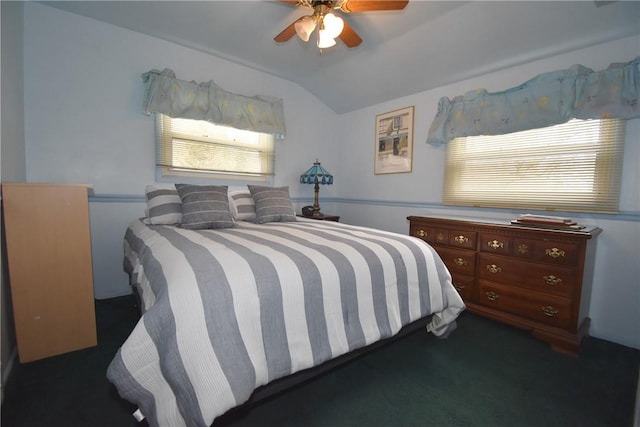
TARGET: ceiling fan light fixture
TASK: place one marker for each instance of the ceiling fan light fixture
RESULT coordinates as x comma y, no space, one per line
325,40
304,27
333,25
336,26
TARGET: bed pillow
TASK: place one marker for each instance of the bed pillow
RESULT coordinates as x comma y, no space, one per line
164,206
204,206
273,204
242,206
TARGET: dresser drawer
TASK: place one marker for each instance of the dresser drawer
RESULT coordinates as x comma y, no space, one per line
464,285
422,232
455,238
548,309
462,239
538,277
551,252
495,243
458,260
564,253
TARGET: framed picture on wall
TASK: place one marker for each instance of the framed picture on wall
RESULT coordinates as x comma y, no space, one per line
394,141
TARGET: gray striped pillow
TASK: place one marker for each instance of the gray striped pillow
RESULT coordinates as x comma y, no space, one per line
204,206
273,204
164,206
242,206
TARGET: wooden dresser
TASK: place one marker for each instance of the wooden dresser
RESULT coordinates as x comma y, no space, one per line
533,278
50,272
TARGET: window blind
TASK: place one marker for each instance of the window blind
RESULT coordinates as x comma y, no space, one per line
575,166
201,146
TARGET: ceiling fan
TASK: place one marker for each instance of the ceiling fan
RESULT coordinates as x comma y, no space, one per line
329,25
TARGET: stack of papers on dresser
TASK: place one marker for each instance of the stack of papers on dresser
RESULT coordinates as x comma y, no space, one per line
546,221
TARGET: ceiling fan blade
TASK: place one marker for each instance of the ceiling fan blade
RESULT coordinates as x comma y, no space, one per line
287,33
349,36
349,6
293,2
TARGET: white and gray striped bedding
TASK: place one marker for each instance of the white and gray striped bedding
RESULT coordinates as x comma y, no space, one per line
229,310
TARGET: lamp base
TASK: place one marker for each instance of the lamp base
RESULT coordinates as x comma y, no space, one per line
316,204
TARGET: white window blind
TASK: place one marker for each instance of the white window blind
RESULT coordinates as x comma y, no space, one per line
575,166
200,147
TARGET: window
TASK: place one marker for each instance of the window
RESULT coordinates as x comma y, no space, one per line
575,166
199,148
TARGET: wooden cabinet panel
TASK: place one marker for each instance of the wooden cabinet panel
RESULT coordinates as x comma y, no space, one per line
441,236
50,269
523,248
529,277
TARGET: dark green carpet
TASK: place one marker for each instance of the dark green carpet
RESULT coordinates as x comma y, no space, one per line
484,374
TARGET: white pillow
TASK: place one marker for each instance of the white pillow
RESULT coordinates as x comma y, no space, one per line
242,206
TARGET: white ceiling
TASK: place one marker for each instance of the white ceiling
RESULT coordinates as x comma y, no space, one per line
426,45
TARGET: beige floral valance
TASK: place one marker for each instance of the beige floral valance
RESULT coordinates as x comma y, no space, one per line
207,101
548,99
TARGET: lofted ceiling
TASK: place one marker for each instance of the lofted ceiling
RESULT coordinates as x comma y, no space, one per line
426,45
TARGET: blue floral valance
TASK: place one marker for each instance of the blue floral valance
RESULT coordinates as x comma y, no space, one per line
207,101
548,99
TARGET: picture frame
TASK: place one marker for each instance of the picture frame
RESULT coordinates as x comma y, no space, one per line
394,141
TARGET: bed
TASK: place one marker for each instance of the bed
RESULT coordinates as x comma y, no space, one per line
231,310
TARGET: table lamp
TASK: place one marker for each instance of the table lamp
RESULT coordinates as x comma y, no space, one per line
316,175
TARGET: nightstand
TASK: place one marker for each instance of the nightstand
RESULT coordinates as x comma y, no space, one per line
324,218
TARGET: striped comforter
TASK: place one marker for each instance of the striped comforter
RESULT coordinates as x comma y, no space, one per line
226,311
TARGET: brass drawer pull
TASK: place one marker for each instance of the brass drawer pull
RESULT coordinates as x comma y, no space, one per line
422,233
440,237
552,280
554,252
492,296
494,268
496,244
461,239
459,288
460,261
550,311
